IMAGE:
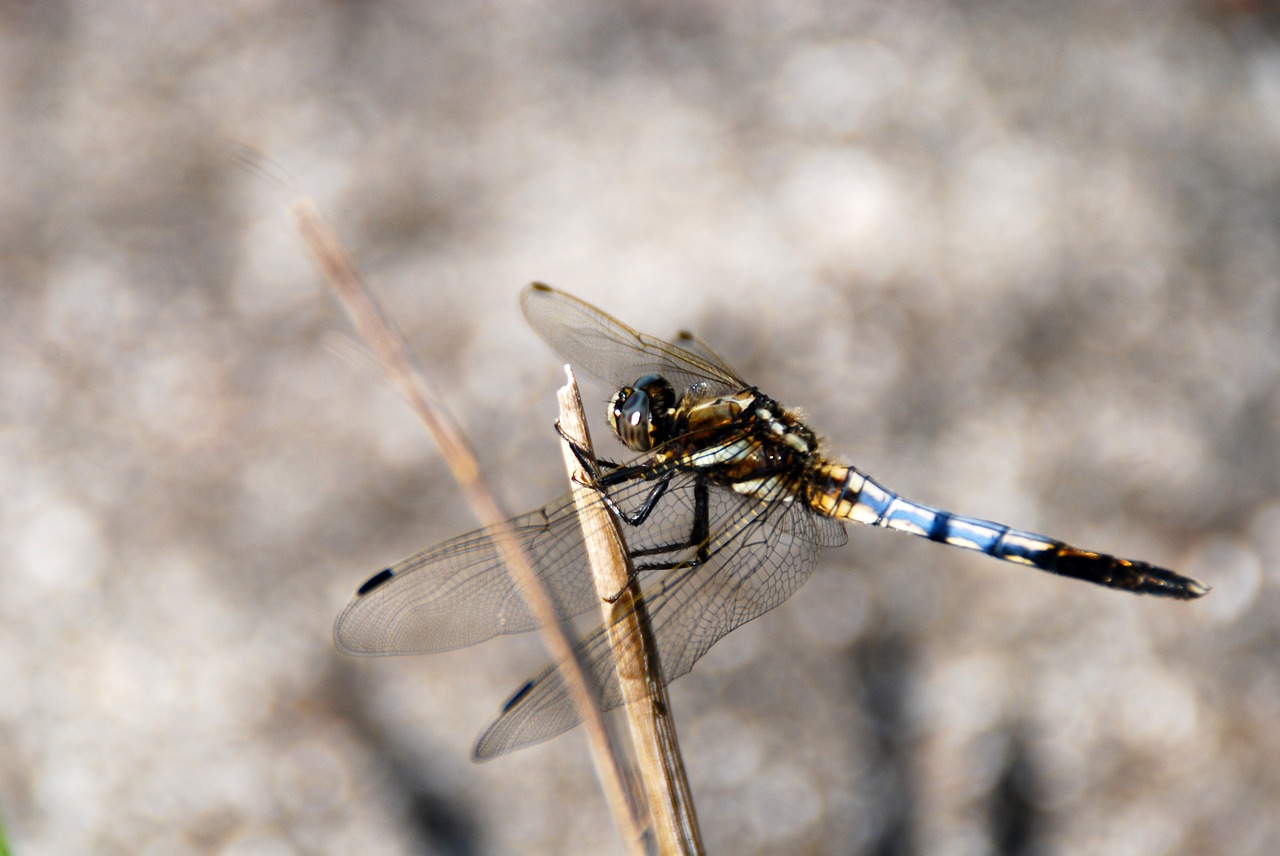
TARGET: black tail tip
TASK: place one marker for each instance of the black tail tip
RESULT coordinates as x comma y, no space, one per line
1158,581
1194,589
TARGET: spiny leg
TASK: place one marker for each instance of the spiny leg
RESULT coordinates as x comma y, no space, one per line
699,536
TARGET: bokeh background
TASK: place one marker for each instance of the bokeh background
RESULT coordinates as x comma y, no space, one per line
1016,259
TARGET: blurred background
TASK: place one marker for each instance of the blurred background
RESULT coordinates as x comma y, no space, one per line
1015,259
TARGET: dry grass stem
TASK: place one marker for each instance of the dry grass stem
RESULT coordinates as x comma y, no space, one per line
636,656
378,332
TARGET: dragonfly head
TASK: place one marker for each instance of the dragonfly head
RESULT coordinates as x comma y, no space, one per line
641,415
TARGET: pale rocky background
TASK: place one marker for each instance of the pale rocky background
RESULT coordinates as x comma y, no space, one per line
1016,259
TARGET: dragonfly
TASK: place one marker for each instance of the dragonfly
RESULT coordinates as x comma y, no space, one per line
725,506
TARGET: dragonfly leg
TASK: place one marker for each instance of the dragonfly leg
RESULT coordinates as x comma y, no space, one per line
646,508
637,519
593,467
699,537
598,467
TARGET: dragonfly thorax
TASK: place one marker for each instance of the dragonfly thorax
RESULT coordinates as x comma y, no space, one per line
641,415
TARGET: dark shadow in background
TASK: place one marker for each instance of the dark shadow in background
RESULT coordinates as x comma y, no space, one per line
883,665
441,823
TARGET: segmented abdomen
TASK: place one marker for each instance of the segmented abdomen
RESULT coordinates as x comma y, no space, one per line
845,493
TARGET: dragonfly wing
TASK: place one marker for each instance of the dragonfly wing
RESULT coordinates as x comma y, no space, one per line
696,345
598,343
761,552
459,593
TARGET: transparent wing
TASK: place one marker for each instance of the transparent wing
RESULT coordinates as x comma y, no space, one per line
696,345
459,593
598,343
762,550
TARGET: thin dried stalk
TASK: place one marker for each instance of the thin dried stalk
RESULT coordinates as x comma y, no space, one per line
635,652
376,329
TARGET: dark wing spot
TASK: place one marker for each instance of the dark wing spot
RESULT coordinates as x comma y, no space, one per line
375,581
515,699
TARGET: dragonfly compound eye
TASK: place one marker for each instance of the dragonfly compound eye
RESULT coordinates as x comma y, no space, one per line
631,419
642,415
